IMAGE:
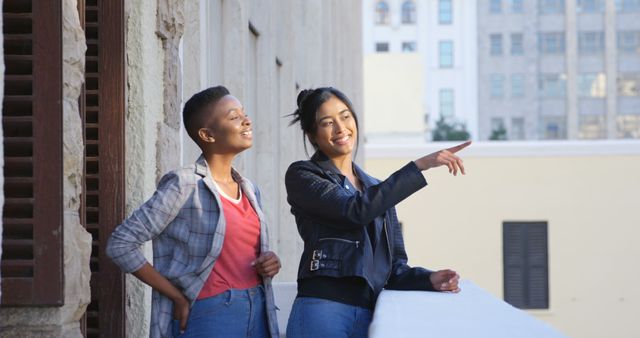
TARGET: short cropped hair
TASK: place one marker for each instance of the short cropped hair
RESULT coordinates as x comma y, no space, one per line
194,113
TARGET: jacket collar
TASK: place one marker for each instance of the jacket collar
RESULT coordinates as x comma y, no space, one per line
202,169
326,164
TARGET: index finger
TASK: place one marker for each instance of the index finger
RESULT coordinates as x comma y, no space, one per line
459,147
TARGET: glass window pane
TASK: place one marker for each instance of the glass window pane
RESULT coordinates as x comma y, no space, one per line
445,12
517,128
589,6
446,54
551,6
517,6
590,42
495,44
382,13
446,102
408,12
628,126
628,5
592,127
629,42
517,47
592,85
629,84
551,43
382,47
409,46
517,85
552,85
495,6
496,85
554,127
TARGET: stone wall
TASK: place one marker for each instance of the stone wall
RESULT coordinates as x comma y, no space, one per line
64,321
144,122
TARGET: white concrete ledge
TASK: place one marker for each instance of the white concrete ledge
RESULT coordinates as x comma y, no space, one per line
471,313
508,149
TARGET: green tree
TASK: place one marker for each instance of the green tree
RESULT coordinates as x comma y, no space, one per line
499,134
450,131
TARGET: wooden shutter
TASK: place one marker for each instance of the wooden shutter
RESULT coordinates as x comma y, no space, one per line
102,108
32,121
526,273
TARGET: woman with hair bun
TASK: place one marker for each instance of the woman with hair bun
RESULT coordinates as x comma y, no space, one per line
353,245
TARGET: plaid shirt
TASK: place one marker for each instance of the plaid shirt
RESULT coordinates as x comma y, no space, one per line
187,226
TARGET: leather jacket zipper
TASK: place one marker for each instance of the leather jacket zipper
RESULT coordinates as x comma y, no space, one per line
357,243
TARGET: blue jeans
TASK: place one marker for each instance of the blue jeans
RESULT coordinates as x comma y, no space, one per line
233,313
316,317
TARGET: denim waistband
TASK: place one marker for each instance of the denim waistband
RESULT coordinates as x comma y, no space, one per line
230,294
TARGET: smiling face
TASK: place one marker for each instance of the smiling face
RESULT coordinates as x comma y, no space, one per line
336,130
229,129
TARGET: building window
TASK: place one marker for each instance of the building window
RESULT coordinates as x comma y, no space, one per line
382,47
517,85
629,84
409,12
445,12
382,13
498,132
628,126
526,264
517,128
590,42
496,86
592,127
551,43
446,54
495,47
554,127
517,6
497,123
409,46
628,5
517,47
551,6
589,6
446,103
629,42
592,85
495,6
552,85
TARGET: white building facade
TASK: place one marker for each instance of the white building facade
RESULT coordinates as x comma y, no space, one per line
443,33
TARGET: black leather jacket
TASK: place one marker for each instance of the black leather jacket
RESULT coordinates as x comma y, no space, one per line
333,219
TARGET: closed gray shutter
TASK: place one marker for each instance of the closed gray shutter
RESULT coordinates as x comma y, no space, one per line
525,258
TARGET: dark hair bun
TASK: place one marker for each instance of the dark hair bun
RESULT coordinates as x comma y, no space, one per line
304,94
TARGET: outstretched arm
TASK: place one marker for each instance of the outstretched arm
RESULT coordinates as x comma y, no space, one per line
312,192
446,157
